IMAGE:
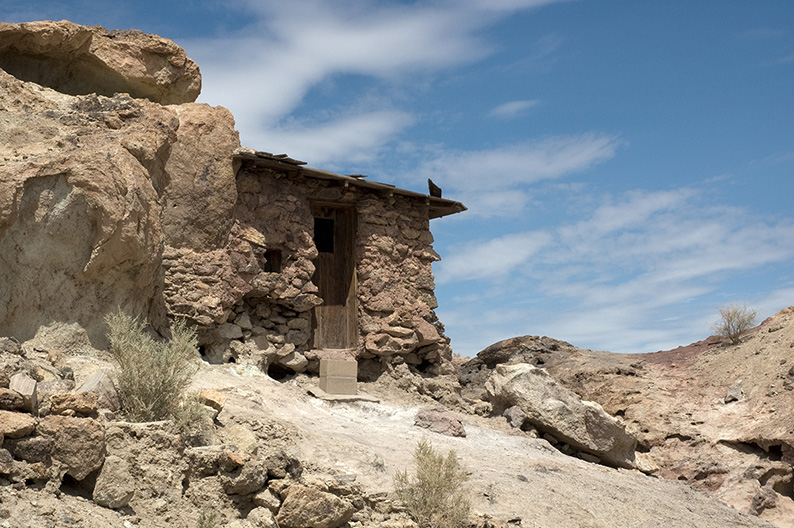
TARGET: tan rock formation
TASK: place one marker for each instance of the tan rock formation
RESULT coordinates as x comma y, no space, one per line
305,507
740,451
83,190
78,443
81,60
555,410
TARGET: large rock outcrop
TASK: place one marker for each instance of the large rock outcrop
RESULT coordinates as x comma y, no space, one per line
93,187
739,449
82,60
555,410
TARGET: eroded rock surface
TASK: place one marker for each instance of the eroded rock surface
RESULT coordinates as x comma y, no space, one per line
555,410
81,60
84,184
738,449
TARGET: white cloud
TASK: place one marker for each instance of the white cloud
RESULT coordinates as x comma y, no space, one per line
634,276
264,71
292,46
356,138
491,259
513,109
523,163
491,182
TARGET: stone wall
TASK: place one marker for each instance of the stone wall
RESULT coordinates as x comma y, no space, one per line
253,299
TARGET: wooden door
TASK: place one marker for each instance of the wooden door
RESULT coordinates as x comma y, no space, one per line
334,322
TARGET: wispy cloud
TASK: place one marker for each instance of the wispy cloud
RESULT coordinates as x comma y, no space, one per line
630,260
484,178
492,259
513,109
356,138
292,47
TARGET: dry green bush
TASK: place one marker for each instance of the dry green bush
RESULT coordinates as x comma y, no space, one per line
435,495
208,518
153,375
734,321
193,420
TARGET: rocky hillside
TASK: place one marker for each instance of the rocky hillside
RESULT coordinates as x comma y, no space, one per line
715,415
276,454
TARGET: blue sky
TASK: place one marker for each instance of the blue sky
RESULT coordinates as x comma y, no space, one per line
628,166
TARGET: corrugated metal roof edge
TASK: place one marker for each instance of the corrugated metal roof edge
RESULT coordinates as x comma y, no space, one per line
438,206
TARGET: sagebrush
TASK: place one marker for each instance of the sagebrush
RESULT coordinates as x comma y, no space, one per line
153,375
208,518
435,496
734,321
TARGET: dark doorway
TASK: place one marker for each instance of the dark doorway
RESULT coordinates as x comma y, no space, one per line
334,321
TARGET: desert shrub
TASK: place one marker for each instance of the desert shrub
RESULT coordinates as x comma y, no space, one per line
734,321
193,420
208,518
153,375
435,495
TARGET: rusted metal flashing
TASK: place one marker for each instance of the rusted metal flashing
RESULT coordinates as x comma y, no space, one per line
438,207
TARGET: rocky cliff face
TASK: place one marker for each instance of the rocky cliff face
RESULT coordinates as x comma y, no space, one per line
82,233
83,60
94,188
714,415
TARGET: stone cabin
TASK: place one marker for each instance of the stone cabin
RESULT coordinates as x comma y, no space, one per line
326,266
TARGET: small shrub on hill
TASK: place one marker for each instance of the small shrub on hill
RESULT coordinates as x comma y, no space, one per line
153,374
734,321
434,496
208,518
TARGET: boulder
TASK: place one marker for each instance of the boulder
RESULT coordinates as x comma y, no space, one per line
78,443
25,386
267,499
114,486
15,424
70,403
92,188
261,518
58,339
251,478
6,462
242,437
553,409
515,416
295,361
101,384
81,60
213,399
47,389
305,507
10,400
735,392
31,449
9,345
201,190
439,420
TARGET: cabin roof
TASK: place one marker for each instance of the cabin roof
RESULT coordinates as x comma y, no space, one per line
438,207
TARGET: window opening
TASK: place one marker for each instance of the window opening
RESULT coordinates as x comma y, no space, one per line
273,261
324,234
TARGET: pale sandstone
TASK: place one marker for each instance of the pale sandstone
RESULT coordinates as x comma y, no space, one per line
553,409
80,60
16,424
